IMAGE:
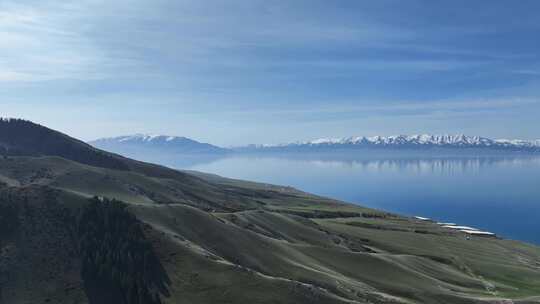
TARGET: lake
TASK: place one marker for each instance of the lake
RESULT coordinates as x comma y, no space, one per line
498,194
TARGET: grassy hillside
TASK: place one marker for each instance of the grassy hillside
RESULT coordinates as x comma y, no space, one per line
189,237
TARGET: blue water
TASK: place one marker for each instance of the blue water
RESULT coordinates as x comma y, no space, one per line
497,194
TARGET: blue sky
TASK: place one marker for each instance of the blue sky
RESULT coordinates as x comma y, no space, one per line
236,72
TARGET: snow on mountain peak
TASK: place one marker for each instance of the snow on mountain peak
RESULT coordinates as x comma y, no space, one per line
143,138
151,141
406,141
457,140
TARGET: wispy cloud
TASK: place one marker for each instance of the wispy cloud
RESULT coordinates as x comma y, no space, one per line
387,108
52,40
305,60
46,41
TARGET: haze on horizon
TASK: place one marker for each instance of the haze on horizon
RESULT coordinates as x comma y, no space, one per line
238,72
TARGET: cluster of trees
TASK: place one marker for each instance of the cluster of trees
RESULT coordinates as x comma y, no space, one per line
8,218
115,254
9,213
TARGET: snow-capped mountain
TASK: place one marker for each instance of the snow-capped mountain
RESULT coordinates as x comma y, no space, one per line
142,146
403,141
158,143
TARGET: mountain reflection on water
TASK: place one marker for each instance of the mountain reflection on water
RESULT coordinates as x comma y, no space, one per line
498,193
495,193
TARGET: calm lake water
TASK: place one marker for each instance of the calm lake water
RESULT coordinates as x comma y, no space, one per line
498,194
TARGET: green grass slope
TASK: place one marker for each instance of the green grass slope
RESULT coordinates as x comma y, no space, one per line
218,240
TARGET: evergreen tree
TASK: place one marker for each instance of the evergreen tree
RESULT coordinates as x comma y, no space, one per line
115,252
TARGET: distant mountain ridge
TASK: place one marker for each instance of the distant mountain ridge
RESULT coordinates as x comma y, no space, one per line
403,141
163,143
140,143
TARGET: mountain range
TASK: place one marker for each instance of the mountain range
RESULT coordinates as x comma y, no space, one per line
182,145
410,141
82,225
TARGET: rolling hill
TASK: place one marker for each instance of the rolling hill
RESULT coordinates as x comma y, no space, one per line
80,225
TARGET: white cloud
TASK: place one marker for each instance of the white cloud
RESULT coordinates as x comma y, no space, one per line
398,108
46,41
95,39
